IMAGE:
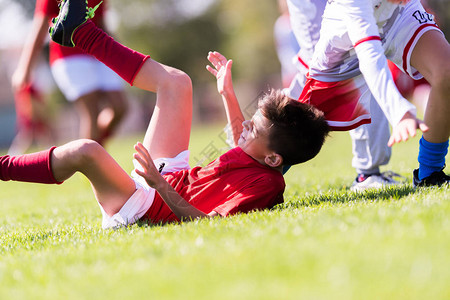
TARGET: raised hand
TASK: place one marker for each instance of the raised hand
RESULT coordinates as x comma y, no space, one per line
221,70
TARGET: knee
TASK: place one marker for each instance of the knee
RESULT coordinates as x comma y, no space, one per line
179,82
86,151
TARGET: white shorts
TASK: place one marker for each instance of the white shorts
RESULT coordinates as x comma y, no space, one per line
79,75
142,199
404,35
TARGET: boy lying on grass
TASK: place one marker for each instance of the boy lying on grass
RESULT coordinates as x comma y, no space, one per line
163,188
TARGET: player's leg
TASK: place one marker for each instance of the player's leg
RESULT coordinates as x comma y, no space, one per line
113,110
77,79
114,104
169,130
88,110
430,58
370,151
112,186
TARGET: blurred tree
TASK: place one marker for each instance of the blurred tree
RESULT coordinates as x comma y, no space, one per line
442,10
241,30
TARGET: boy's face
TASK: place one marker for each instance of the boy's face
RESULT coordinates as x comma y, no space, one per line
254,138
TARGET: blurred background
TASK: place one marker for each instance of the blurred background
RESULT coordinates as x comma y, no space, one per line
174,32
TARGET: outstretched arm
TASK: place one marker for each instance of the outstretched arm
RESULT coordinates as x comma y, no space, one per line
180,207
222,71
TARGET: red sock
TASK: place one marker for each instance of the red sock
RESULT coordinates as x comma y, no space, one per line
124,61
33,167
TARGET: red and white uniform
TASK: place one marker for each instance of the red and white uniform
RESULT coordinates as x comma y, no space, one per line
349,63
75,72
50,9
233,183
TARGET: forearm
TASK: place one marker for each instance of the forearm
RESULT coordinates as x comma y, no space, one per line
34,46
363,32
234,114
180,207
373,65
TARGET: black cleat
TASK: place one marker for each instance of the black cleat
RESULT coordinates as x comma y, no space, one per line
436,178
72,14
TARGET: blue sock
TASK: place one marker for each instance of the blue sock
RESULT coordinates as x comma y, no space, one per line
431,157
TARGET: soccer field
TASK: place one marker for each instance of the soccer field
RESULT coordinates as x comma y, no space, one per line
323,243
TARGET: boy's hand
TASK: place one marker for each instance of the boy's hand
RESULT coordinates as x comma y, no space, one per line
406,128
222,71
150,173
20,79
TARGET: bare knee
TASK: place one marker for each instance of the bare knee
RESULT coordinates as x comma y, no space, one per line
84,152
74,157
179,82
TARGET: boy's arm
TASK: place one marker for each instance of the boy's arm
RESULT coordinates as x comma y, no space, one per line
180,207
222,71
30,52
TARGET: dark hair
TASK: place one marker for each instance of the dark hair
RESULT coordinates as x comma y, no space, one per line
298,131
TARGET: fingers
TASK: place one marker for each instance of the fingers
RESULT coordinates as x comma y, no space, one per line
142,151
391,141
229,64
140,160
214,59
406,129
211,70
140,173
143,156
221,58
217,59
423,126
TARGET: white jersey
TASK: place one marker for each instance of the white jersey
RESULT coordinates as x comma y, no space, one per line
306,19
348,23
357,36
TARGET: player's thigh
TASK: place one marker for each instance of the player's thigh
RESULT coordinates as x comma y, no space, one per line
431,56
169,129
108,179
406,35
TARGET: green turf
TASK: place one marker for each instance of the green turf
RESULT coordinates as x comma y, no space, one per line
323,243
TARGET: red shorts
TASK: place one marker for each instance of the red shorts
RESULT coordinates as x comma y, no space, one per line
342,102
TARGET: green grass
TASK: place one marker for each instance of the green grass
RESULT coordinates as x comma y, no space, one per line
323,243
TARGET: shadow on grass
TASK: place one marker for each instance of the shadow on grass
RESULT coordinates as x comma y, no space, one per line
342,196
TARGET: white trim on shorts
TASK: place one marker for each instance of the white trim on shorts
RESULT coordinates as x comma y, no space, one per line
142,199
403,37
78,75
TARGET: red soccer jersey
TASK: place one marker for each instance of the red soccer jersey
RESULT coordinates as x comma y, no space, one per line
50,9
232,183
